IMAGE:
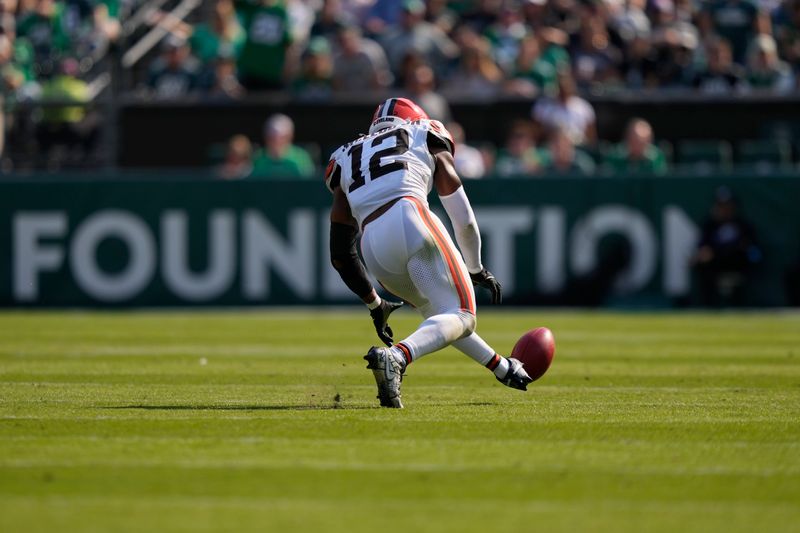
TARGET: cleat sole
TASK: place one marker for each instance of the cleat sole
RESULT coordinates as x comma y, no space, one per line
384,396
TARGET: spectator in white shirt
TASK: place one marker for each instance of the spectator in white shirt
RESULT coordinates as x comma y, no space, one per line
414,33
470,162
420,86
360,63
567,112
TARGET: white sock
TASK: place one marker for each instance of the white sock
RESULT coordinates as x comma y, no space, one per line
433,334
401,354
476,348
502,367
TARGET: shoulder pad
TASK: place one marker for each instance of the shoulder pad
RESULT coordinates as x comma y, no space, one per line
333,172
438,135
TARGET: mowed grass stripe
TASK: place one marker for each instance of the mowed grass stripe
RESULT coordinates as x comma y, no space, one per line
695,458
277,514
360,484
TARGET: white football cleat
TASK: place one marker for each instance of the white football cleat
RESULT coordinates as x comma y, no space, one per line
388,373
516,377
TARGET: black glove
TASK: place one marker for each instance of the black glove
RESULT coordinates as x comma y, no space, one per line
486,279
380,318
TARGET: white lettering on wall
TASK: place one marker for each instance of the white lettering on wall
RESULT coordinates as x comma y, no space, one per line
679,241
218,276
260,253
502,225
137,274
265,249
32,256
550,250
621,220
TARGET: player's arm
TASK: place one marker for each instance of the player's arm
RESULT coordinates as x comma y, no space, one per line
465,225
455,202
344,258
344,255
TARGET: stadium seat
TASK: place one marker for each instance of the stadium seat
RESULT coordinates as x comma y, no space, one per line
764,156
705,156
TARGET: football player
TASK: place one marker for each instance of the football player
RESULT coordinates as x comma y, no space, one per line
380,184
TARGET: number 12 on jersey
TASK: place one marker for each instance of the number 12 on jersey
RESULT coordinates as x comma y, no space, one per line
372,157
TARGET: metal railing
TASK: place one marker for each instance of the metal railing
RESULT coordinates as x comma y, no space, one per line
163,28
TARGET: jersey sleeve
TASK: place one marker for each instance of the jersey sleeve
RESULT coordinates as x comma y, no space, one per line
439,137
333,174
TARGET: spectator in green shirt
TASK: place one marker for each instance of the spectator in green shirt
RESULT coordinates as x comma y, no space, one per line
637,154
16,66
737,21
45,28
562,158
506,35
280,158
263,62
519,156
315,81
175,74
223,35
765,70
533,74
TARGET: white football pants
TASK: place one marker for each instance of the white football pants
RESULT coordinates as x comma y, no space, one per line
410,252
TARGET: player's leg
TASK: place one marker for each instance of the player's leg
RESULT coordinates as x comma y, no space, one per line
508,371
414,259
389,245
435,332
436,270
479,351
387,365
446,319
435,280
401,252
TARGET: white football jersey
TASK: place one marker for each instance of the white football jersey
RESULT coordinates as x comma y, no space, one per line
388,164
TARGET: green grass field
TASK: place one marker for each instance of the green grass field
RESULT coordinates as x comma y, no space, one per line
266,421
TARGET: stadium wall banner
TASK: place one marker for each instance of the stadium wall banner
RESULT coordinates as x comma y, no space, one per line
186,243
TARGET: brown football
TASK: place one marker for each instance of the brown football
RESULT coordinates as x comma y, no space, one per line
535,349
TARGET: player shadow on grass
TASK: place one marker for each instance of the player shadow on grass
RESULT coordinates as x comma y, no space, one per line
268,407
239,407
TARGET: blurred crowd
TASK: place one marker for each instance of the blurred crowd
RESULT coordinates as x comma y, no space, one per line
559,153
432,51
480,49
38,36
477,49
49,53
